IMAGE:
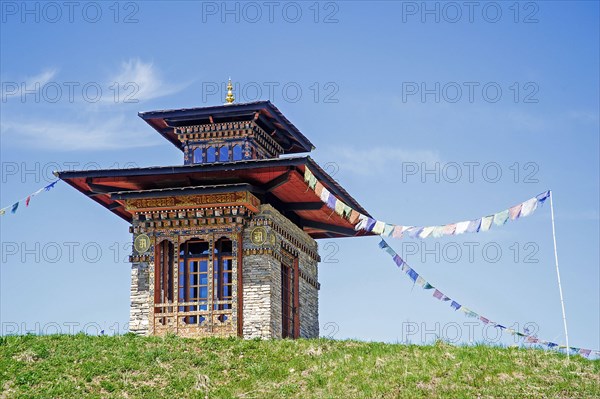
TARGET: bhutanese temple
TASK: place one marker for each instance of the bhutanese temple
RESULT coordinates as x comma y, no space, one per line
224,244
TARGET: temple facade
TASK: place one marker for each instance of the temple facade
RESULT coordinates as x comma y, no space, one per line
224,244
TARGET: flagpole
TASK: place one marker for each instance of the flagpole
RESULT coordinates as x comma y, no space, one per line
562,302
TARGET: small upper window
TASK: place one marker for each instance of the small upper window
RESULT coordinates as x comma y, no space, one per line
237,152
198,155
224,154
211,154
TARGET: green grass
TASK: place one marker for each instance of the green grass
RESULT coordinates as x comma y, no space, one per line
127,366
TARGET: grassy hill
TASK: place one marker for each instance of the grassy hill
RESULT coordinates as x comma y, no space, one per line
134,367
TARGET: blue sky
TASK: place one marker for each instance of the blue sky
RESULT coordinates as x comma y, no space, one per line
504,94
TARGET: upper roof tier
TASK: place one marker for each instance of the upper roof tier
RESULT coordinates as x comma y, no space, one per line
263,113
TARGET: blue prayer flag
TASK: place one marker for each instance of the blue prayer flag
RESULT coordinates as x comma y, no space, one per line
414,232
413,275
51,185
331,201
398,260
543,196
370,224
14,207
474,226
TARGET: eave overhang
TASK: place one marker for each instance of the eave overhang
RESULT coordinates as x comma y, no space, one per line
263,112
279,182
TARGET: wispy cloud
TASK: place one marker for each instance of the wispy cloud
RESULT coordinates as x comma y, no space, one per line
109,123
144,80
90,134
370,161
15,89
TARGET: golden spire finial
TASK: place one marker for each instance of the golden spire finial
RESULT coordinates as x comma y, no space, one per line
230,98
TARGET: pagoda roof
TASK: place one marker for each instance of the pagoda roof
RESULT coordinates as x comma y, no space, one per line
264,113
279,182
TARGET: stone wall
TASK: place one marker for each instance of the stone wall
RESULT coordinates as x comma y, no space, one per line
262,276
257,295
140,299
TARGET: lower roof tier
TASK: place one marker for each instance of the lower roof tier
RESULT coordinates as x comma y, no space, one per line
279,182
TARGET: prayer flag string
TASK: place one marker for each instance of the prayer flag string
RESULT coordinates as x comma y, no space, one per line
419,280
366,223
27,200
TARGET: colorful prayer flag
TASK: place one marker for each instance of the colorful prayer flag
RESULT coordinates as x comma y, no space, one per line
543,197
474,226
370,224
354,216
515,211
398,260
339,207
528,207
397,233
413,275
378,227
51,185
319,189
486,223
331,201
500,218
461,227
426,232
585,352
387,230
438,231
449,229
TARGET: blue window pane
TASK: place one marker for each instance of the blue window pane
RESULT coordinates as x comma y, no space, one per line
216,266
198,155
237,153
203,279
203,292
192,320
227,291
181,294
227,264
203,307
224,154
211,154
203,266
